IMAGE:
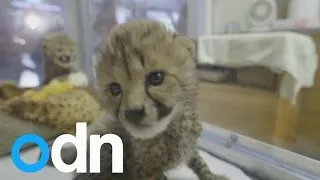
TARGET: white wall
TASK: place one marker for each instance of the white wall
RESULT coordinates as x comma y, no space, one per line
209,15
196,17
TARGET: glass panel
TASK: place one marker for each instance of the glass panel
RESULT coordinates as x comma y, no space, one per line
247,99
23,24
107,13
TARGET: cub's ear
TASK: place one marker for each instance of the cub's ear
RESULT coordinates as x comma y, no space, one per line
186,43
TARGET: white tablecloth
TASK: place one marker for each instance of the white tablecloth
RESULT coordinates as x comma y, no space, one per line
288,52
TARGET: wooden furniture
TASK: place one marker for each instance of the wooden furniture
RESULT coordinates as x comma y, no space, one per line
248,111
308,126
286,119
263,115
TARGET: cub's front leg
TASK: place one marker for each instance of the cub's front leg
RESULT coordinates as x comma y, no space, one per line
200,167
150,166
151,176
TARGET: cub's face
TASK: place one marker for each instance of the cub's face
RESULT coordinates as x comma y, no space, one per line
60,49
145,73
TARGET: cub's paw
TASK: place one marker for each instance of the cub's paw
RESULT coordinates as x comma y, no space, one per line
163,178
220,177
214,177
156,177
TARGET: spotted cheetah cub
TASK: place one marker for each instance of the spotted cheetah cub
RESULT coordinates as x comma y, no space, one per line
148,82
59,52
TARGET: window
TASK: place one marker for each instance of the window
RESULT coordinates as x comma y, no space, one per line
107,13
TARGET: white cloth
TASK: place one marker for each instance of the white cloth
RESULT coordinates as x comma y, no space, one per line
9,172
216,165
288,52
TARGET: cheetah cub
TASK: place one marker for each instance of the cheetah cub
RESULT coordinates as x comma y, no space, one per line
148,83
61,61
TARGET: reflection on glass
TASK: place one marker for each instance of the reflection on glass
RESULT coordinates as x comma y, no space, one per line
165,17
243,100
23,24
107,13
246,100
32,21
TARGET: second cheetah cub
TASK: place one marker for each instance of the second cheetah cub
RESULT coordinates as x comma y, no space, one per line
60,57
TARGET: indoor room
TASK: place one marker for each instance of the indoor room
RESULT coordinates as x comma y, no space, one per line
200,89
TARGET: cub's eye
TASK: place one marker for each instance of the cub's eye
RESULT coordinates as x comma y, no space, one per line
155,78
115,89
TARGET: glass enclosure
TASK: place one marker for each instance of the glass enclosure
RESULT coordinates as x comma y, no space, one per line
250,111
246,99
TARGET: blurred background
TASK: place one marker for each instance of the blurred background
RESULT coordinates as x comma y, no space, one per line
237,93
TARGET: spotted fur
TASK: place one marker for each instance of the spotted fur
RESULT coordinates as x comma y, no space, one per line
60,111
165,136
59,52
10,90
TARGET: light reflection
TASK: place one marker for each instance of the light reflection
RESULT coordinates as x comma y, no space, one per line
19,40
32,21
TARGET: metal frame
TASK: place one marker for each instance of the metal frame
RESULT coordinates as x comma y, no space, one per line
257,158
78,23
86,35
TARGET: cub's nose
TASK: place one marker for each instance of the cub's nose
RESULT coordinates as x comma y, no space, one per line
135,114
67,58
